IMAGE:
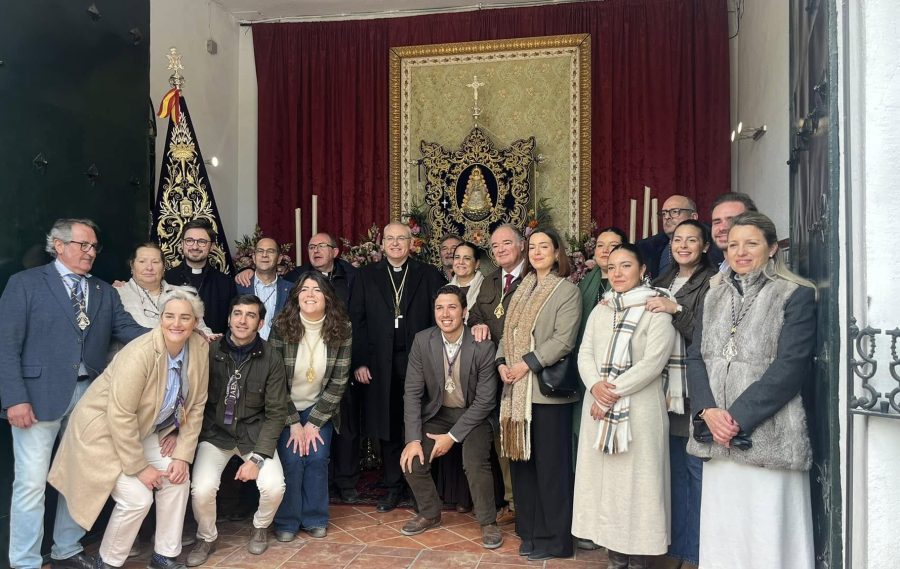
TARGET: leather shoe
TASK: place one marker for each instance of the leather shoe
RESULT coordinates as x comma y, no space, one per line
388,502
317,533
259,541
349,496
587,544
526,548
616,560
100,564
158,561
419,524
200,553
506,516
540,556
285,536
491,536
80,560
463,509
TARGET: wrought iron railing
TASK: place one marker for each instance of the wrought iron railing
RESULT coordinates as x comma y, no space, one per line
864,397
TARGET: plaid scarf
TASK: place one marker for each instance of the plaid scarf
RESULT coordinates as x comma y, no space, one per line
614,433
518,340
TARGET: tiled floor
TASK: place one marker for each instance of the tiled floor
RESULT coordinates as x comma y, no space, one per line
358,537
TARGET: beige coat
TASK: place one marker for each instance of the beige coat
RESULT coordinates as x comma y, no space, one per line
622,500
105,431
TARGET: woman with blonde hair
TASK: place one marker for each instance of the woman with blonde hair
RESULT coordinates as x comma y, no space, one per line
750,357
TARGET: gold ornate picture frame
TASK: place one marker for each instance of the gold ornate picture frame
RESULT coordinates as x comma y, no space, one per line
538,87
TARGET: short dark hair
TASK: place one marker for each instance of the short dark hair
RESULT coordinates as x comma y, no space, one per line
631,248
734,197
613,229
248,299
476,250
200,224
450,289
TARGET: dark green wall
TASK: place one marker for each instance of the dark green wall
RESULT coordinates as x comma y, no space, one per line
73,88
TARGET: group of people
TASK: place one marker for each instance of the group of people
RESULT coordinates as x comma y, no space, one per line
594,415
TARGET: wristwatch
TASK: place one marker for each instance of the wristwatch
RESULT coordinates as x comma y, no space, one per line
257,460
678,308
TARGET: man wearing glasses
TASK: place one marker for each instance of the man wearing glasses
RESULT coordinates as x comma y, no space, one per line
216,289
655,248
58,323
266,284
390,304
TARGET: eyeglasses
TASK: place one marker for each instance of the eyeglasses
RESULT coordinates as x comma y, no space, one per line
398,239
85,246
319,246
266,251
675,212
191,241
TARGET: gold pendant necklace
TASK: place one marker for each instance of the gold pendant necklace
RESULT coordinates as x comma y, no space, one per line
310,372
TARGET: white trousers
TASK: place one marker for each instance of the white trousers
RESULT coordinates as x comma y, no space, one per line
133,501
208,467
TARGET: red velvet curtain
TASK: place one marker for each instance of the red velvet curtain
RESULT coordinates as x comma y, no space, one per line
660,105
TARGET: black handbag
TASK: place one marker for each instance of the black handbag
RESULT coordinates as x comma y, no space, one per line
560,379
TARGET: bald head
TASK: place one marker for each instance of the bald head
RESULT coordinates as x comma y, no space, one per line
396,242
675,210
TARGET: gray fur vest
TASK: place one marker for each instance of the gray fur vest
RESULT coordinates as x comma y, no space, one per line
781,441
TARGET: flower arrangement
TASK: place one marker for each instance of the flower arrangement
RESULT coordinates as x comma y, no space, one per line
581,253
365,252
243,255
417,221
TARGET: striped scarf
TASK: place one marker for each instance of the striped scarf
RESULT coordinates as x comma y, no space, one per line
614,433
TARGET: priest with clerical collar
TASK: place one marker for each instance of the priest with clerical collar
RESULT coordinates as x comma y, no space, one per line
390,303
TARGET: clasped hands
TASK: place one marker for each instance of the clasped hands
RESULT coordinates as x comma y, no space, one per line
442,445
604,399
721,424
513,373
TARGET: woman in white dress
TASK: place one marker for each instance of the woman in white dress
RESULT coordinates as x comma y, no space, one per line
622,472
466,271
751,354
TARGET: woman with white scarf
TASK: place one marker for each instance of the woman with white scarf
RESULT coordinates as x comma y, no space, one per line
466,271
535,430
627,364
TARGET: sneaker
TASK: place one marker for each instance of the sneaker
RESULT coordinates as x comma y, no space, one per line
158,561
259,541
285,536
317,533
200,553
491,536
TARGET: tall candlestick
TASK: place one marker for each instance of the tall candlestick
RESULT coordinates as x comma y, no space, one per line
654,217
645,227
632,219
315,214
298,238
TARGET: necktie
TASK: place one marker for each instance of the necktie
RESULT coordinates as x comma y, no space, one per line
509,279
77,296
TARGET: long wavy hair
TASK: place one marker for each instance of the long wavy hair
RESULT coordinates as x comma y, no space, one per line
336,327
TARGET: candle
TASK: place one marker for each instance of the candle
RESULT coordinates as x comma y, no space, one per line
645,227
632,219
654,217
297,237
315,214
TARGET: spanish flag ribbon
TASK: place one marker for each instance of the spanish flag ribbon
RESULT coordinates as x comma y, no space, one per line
170,104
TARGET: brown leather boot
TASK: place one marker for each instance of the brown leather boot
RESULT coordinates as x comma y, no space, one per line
419,524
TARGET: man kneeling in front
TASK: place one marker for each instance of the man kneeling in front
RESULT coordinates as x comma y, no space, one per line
245,413
449,398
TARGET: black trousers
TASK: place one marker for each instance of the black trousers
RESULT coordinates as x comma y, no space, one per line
476,452
345,445
544,485
392,448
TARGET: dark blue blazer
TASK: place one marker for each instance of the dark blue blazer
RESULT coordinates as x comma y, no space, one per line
282,292
41,346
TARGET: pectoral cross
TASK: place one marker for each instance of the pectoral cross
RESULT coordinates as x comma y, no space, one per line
474,85
397,317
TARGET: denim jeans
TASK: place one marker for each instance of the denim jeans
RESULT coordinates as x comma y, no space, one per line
305,503
32,448
687,484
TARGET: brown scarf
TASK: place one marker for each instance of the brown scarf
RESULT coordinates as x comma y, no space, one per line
518,340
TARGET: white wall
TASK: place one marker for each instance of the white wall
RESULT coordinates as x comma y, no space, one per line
760,92
211,90
874,100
